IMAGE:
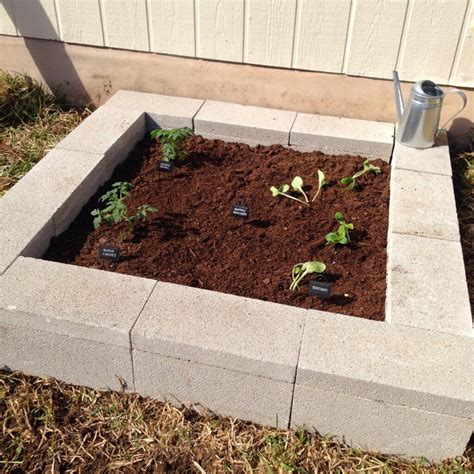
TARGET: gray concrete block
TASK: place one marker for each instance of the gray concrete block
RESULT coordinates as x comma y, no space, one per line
162,111
405,366
427,285
422,204
72,360
58,186
428,160
106,132
22,232
244,122
222,330
374,425
225,392
73,301
352,136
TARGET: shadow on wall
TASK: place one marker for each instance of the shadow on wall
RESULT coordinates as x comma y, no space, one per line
55,67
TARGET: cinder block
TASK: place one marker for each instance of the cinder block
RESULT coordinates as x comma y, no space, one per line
425,370
225,392
72,301
222,330
428,160
109,131
22,232
58,186
352,136
244,122
422,204
374,425
70,359
427,285
162,111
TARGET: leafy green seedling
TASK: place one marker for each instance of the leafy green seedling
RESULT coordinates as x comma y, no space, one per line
342,235
297,185
322,182
300,270
116,210
350,181
282,191
172,141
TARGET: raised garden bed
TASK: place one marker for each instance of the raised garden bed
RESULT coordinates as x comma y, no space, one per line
194,240
402,386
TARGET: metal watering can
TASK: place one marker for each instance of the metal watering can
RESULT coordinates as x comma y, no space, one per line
418,122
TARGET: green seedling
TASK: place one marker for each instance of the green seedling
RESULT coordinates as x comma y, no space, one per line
172,141
350,181
283,190
342,235
322,182
116,210
300,270
297,185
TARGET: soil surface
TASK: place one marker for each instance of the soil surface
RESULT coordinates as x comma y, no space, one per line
193,239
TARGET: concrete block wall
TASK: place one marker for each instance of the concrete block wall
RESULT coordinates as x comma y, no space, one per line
404,386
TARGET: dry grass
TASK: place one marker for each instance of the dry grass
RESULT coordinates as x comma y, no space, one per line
31,123
48,426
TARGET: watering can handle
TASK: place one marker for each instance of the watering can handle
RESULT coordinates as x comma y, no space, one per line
464,100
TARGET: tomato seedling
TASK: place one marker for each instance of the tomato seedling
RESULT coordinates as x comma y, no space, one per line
300,270
342,235
116,211
172,141
351,181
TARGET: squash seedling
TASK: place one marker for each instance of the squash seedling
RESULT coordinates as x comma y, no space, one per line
172,141
116,210
350,181
342,235
297,185
300,270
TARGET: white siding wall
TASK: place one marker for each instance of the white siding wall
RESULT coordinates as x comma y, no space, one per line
421,38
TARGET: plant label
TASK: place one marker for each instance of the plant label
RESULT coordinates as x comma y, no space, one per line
109,253
164,165
319,288
240,211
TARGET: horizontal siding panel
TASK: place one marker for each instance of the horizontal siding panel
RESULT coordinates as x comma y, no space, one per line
320,36
36,19
171,25
220,29
7,25
374,37
269,29
80,21
432,32
463,70
125,24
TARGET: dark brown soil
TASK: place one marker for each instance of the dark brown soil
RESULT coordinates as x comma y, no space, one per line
193,239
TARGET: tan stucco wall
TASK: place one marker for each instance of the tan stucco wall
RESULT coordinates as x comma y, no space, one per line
88,74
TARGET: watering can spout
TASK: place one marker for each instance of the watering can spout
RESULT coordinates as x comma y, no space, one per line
398,95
